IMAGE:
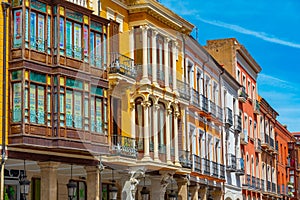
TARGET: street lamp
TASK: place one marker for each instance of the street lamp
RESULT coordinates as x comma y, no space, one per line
24,184
145,192
72,186
113,192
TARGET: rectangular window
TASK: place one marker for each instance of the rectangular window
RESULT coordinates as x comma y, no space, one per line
61,35
78,109
17,39
69,108
69,35
97,46
17,106
86,43
98,111
77,41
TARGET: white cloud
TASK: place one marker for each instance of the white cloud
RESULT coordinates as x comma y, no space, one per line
272,81
260,35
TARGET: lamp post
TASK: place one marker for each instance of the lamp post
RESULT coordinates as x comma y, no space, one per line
113,192
145,192
24,184
72,187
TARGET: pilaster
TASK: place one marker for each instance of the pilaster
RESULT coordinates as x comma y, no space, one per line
49,180
93,183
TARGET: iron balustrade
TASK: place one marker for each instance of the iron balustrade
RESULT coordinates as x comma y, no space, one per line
204,103
195,97
122,65
278,190
220,113
228,116
185,159
273,187
266,139
238,123
196,163
222,171
282,189
272,142
248,180
212,108
123,146
242,93
269,186
184,90
257,183
258,144
262,185
231,161
205,166
253,182
215,169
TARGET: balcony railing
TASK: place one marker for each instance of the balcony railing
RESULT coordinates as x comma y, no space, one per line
231,162
222,171
238,123
248,181
123,65
256,107
242,94
253,182
266,139
258,184
240,166
206,166
278,190
244,137
212,108
185,159
123,146
273,187
269,186
184,90
204,103
282,189
258,145
272,142
220,113
276,146
262,185
228,116
195,97
215,169
196,164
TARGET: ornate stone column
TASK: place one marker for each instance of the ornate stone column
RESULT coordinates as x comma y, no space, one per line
168,137
146,105
203,192
176,115
166,59
49,180
194,191
145,79
154,57
93,183
155,118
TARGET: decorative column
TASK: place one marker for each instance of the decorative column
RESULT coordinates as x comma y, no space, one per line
131,42
155,118
49,180
194,191
174,49
146,105
145,79
132,122
168,137
203,192
93,183
182,184
154,57
166,58
176,115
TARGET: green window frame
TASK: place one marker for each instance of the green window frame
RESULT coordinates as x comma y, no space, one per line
98,46
98,120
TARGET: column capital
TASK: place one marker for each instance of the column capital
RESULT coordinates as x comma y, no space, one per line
132,105
49,164
144,27
169,111
176,114
154,32
146,104
167,39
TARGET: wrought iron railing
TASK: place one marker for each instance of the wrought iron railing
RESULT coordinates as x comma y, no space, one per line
269,186
195,97
262,185
242,93
185,159
206,166
272,142
238,123
228,116
196,163
212,108
273,187
253,182
204,103
122,65
215,169
183,89
231,161
222,171
220,113
123,146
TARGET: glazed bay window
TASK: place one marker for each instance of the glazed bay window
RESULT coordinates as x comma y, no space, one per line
99,121
36,99
98,45
71,103
70,34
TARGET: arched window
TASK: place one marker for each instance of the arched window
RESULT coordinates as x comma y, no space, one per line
161,125
139,123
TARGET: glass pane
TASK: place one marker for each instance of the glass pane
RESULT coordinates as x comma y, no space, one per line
41,32
97,90
49,33
78,110
69,34
62,103
33,30
98,50
92,114
82,191
104,50
17,106
99,115
85,39
92,49
16,75
41,105
37,77
77,41
76,84
61,33
69,108
86,108
26,25
32,103
26,98
17,28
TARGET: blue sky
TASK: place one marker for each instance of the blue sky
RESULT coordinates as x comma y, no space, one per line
270,31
